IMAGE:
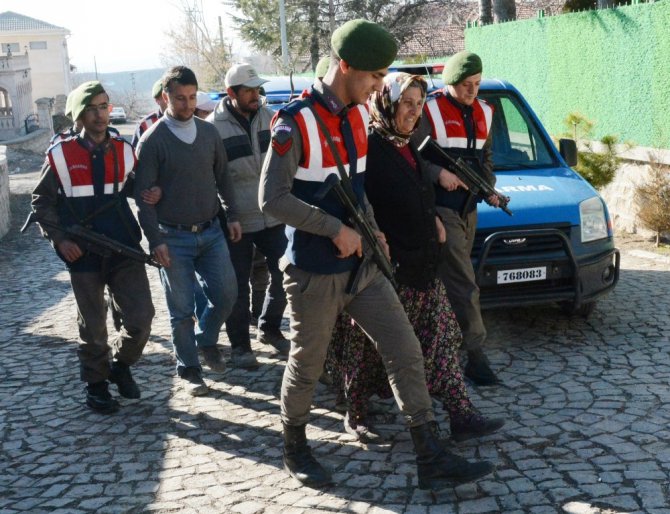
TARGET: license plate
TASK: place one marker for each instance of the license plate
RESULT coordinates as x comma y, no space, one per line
522,275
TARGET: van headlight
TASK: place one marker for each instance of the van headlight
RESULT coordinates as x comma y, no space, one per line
594,224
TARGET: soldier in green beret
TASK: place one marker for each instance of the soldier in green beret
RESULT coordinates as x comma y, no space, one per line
461,124
85,181
150,119
326,269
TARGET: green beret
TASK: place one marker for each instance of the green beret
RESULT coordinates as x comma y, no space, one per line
82,95
364,45
461,66
68,105
322,67
157,88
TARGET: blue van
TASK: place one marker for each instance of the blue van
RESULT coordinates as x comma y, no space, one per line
559,245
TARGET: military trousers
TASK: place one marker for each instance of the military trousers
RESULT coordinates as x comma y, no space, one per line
130,293
458,276
315,300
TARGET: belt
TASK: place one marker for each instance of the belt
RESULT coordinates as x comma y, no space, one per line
198,227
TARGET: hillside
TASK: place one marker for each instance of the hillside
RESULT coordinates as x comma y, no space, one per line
130,89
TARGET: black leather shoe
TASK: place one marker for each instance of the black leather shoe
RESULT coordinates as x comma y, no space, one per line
98,398
479,371
299,461
120,375
473,425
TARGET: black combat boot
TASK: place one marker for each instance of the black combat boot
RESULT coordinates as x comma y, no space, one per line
120,375
298,459
436,467
98,398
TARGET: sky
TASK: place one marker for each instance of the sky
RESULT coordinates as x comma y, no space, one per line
122,35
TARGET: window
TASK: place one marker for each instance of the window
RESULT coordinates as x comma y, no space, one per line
38,45
517,142
10,47
5,103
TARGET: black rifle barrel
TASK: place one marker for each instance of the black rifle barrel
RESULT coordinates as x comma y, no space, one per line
477,184
358,218
94,242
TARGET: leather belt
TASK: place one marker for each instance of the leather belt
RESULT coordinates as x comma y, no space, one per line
198,227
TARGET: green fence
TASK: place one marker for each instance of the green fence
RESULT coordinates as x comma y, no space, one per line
613,66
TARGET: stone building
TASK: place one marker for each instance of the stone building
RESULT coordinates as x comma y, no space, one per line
34,65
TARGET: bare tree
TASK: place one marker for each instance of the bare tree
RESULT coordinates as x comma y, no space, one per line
485,12
193,45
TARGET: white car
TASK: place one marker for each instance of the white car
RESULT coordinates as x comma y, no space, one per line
117,115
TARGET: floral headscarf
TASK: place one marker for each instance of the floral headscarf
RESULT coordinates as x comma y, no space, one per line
384,104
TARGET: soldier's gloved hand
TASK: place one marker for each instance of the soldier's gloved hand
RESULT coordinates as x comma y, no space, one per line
348,242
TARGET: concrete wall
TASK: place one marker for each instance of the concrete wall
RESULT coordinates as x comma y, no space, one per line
4,193
35,142
620,193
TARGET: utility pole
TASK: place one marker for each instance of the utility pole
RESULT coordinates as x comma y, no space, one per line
282,26
95,66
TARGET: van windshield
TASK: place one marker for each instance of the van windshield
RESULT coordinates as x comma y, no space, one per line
517,142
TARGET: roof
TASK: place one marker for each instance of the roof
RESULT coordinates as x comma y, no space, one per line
440,31
14,22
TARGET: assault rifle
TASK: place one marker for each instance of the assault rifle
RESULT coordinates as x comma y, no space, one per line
94,242
358,219
476,184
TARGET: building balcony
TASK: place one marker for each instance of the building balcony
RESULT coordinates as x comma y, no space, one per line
14,63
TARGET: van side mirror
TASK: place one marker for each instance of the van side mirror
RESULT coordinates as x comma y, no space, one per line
568,150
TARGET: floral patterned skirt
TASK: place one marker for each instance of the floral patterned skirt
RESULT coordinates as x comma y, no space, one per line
357,368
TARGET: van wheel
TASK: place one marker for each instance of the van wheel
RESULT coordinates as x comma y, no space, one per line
585,310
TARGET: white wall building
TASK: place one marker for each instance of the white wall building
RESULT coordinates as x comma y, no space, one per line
46,48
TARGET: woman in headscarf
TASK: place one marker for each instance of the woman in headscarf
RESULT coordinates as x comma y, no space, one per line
403,198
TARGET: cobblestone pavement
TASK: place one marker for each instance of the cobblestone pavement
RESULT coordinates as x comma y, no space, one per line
587,404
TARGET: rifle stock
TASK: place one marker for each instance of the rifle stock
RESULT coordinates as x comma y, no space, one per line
94,242
476,184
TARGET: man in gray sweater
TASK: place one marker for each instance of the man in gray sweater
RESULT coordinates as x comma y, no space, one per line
184,156
244,126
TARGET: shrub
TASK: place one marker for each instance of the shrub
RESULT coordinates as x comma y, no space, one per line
653,199
598,168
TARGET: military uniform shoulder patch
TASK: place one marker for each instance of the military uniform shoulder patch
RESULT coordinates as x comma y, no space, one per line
282,139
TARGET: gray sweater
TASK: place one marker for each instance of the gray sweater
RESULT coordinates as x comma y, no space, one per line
189,176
